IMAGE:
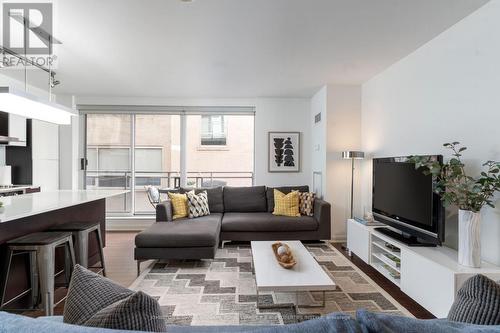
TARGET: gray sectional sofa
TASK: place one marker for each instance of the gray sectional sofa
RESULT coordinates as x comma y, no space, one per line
236,214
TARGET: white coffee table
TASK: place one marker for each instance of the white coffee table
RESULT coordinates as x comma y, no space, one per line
306,275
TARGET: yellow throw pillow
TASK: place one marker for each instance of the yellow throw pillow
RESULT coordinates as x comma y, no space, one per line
179,205
286,205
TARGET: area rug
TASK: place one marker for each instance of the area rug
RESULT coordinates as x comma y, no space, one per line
222,291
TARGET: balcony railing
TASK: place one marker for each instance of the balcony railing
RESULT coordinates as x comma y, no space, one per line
161,179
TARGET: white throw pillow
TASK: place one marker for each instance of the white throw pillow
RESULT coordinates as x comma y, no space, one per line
198,204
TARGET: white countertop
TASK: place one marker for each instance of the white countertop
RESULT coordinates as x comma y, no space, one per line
16,207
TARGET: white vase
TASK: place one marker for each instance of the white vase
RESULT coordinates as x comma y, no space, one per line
469,238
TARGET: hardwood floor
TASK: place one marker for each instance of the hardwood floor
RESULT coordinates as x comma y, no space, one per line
121,268
119,253
393,290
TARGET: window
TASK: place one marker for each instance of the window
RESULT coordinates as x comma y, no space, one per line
156,154
108,155
130,151
231,164
113,162
213,130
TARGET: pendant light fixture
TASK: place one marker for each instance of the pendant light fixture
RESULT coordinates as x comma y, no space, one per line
30,106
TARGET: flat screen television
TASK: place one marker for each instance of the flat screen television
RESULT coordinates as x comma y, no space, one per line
404,198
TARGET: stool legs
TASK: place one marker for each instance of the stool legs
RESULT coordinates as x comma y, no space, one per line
82,248
5,277
46,267
40,248
82,238
45,263
71,254
69,260
101,251
33,278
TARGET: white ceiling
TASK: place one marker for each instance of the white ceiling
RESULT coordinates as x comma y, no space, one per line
237,48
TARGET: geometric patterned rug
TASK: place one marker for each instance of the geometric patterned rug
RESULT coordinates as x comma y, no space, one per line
222,291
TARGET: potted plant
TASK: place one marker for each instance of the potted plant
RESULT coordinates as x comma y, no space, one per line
469,193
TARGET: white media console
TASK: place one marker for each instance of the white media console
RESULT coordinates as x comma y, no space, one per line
429,275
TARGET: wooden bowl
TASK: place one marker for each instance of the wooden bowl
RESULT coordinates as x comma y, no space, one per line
291,260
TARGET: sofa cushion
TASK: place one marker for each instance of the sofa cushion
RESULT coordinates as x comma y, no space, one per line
267,222
88,293
214,194
283,189
245,199
10,322
477,302
138,312
332,323
378,322
200,232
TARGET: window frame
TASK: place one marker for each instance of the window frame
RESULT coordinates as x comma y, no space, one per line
183,112
204,146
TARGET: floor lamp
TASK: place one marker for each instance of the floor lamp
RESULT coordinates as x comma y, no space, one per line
352,155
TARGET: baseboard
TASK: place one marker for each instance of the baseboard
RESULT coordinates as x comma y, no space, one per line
126,224
339,239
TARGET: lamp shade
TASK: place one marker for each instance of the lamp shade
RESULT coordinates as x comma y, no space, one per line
30,106
352,154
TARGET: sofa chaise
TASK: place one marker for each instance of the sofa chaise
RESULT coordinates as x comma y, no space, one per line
236,214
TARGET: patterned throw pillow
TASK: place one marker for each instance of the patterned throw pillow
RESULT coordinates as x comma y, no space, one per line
179,205
89,293
477,302
137,312
306,203
198,204
286,205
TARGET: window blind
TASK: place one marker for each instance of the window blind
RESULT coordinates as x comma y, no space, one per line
165,109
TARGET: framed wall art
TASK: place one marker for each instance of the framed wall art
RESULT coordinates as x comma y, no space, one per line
284,151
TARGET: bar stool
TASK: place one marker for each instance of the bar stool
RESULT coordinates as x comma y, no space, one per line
41,247
81,232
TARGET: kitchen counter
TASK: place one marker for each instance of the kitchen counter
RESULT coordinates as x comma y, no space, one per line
17,207
37,212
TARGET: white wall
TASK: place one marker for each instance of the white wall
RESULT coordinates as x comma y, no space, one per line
339,130
271,114
445,91
69,149
343,133
282,114
318,137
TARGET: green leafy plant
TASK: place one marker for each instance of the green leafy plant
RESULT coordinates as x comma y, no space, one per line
455,186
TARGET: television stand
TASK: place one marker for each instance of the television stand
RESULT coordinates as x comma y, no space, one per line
431,276
408,240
